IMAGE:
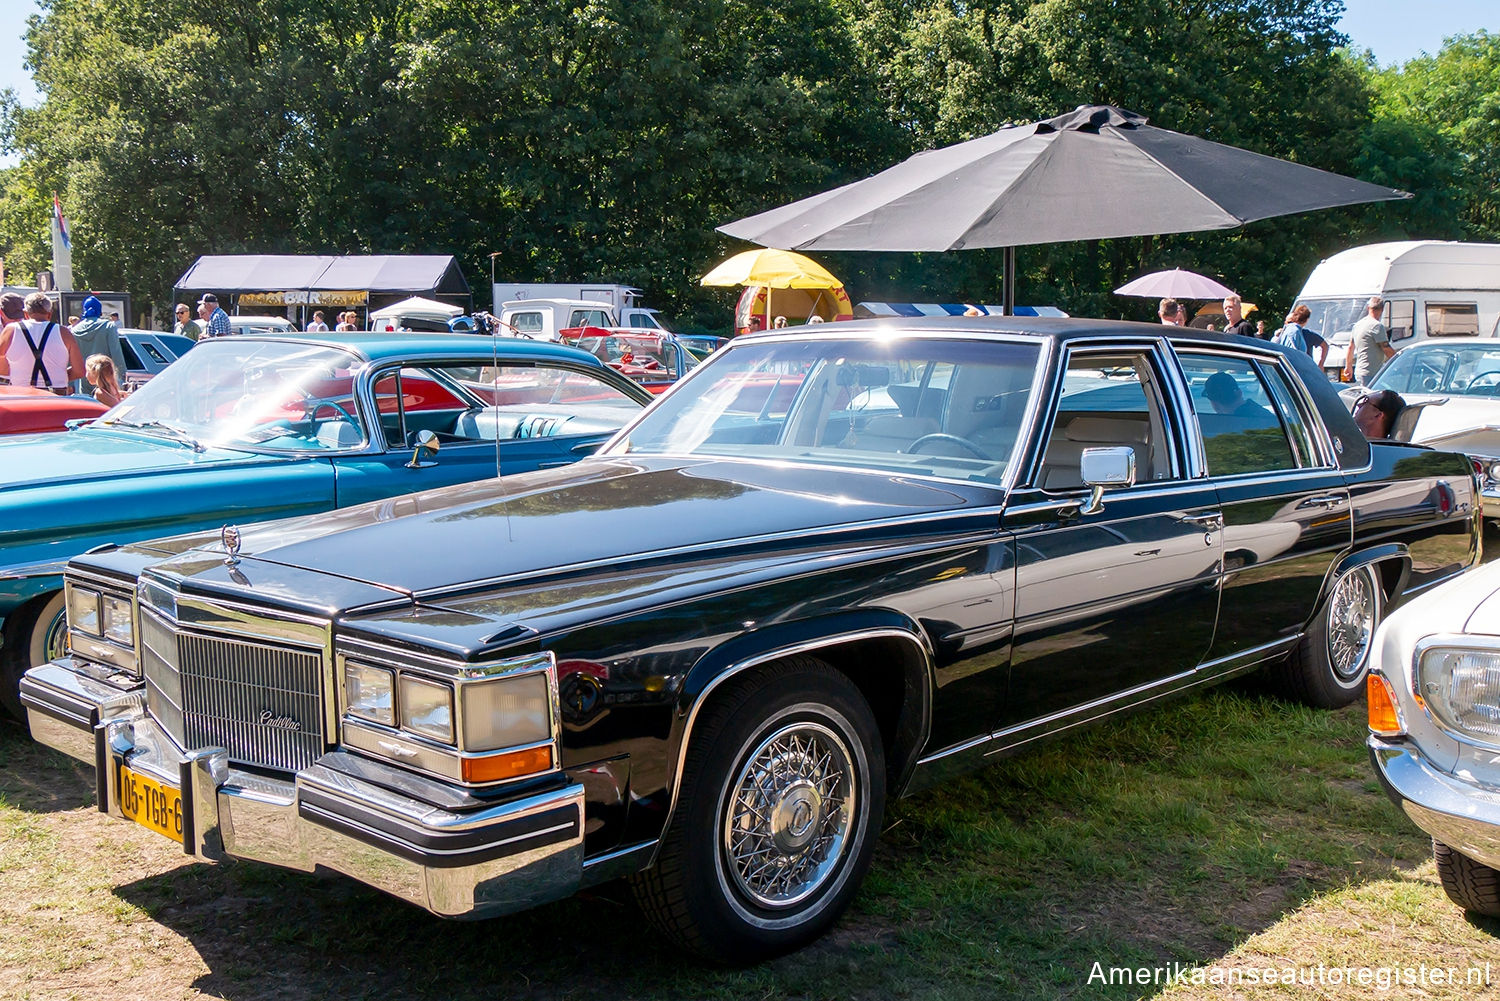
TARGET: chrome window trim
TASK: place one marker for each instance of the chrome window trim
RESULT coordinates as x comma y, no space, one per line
1264,356
1456,641
1165,390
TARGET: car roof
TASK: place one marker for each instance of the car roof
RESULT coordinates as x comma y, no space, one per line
377,347
1057,328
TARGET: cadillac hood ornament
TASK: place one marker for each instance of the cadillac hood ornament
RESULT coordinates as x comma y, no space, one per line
230,536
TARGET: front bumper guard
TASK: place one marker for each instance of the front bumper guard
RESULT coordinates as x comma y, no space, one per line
1462,814
475,863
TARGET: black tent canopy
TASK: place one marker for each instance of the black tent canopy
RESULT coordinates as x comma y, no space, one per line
277,282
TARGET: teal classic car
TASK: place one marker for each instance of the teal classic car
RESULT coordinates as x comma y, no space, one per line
251,428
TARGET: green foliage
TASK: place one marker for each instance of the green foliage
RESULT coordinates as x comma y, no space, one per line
605,139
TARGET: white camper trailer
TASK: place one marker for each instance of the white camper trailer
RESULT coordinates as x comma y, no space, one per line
1431,289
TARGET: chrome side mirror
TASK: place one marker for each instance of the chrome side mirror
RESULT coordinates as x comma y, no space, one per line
1105,467
424,443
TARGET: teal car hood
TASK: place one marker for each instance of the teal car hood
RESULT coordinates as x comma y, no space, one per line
89,454
63,493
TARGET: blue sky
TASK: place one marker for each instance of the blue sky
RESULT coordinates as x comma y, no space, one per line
1395,30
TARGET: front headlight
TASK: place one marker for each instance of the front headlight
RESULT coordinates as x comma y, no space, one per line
1462,688
83,608
427,708
370,693
118,622
507,712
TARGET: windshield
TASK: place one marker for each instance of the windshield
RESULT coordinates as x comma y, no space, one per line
935,407
241,392
1448,370
1334,316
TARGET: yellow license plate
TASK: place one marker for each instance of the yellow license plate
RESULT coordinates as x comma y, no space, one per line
150,803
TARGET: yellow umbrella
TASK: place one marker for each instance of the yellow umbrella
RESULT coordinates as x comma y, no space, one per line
773,269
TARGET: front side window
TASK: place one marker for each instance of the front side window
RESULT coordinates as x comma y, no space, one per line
1242,432
948,408
1109,400
469,403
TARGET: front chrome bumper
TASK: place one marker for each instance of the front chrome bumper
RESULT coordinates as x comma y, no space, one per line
341,813
1462,814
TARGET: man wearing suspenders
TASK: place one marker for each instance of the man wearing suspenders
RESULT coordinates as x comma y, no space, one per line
35,351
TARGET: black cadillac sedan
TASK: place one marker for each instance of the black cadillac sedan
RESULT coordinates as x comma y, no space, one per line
828,568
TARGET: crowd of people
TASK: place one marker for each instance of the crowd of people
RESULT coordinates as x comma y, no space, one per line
1369,347
83,357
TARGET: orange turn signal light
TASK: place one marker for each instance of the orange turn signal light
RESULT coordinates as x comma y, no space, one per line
510,765
1385,718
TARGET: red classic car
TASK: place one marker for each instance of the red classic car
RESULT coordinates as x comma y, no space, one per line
24,409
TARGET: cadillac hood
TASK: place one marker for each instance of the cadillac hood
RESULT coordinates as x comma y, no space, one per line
595,517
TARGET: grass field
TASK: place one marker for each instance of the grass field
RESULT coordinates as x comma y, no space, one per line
1230,834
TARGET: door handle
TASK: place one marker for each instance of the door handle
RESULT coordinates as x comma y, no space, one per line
1323,500
1214,519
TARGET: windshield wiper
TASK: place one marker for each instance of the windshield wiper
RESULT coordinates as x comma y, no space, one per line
175,433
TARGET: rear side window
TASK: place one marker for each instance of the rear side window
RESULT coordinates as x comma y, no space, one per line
1242,430
1452,319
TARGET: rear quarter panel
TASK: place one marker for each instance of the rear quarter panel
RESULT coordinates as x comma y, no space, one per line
1422,499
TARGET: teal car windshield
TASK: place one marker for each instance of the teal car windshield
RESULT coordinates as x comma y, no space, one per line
248,393
910,405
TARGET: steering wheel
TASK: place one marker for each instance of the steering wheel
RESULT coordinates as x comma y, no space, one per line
965,443
313,406
1484,380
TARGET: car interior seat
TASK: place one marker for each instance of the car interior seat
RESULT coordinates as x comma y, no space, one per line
1064,455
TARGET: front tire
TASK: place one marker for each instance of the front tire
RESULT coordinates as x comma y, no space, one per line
782,791
35,633
1471,885
1328,668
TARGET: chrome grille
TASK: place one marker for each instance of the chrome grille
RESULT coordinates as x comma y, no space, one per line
261,702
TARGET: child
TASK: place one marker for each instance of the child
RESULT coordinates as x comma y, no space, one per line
100,370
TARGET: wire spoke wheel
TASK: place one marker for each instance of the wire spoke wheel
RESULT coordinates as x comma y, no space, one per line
1352,613
787,815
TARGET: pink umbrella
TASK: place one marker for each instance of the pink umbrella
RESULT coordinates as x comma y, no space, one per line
1177,283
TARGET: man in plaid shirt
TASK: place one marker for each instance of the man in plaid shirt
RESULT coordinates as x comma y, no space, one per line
215,319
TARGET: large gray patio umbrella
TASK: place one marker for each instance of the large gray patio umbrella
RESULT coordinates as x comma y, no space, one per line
1095,173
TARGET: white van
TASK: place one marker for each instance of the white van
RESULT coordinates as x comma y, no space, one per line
1431,289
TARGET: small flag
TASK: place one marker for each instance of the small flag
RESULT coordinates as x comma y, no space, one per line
62,222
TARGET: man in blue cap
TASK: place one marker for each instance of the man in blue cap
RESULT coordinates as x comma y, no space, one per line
97,335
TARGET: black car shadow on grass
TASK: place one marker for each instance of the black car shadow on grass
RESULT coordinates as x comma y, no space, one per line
1171,836
38,779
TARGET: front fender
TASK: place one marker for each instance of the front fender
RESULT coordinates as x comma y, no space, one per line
908,713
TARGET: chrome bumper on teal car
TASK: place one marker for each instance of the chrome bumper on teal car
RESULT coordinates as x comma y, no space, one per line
343,813
1462,814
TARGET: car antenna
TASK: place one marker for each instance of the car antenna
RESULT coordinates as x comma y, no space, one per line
494,329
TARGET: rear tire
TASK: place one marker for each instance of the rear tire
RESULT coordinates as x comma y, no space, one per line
1471,885
1327,669
782,793
35,633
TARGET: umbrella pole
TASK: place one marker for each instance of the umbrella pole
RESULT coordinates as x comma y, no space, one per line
1008,283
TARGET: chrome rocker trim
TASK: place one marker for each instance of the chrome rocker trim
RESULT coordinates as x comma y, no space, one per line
1462,815
493,860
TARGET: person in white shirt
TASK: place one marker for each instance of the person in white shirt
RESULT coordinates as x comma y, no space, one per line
36,351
